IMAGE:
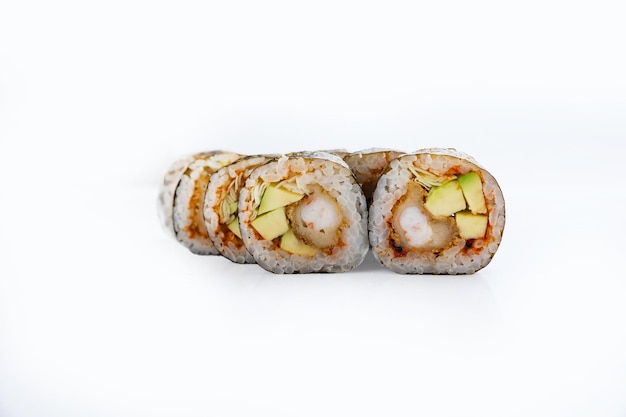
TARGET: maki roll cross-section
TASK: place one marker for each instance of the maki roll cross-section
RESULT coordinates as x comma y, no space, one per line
436,211
304,212
221,213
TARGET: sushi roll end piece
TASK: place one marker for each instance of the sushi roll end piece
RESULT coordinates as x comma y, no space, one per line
181,198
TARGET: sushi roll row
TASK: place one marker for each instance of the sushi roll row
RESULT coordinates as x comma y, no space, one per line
434,211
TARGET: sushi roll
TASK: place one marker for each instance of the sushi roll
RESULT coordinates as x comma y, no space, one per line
436,211
304,212
181,198
368,165
220,207
167,191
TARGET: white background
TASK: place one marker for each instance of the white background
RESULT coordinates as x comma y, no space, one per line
101,314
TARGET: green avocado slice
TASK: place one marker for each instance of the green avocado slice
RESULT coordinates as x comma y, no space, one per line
445,200
471,226
292,244
234,227
472,188
272,224
275,197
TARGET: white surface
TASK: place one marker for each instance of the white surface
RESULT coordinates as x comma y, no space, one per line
101,314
